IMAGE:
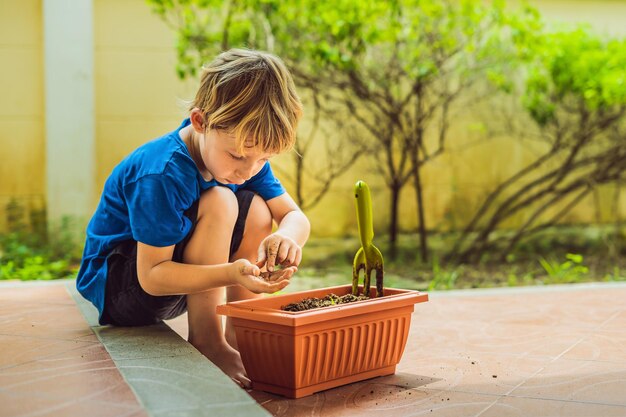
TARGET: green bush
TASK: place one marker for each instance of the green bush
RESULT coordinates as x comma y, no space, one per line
22,257
29,251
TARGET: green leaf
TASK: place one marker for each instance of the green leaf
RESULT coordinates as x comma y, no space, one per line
578,259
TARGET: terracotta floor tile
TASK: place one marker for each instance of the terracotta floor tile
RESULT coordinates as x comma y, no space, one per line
482,373
88,337
374,398
617,323
78,359
601,346
438,334
17,404
52,321
54,294
85,381
52,364
20,404
21,349
556,353
95,409
581,381
579,309
524,407
138,413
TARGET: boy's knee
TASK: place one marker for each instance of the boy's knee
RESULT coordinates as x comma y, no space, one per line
220,204
259,220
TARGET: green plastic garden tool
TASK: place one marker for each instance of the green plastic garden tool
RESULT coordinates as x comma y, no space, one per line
368,257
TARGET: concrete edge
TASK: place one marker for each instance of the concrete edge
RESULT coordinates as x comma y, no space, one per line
152,359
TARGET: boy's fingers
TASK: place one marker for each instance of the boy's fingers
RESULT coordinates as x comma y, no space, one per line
283,253
298,257
271,276
270,282
253,270
249,269
287,273
283,274
272,252
279,285
260,261
291,257
279,275
270,287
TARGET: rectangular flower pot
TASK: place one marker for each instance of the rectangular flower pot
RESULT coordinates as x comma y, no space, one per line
296,354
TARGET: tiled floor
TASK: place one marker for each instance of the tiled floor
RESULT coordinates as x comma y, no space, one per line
558,351
546,351
51,363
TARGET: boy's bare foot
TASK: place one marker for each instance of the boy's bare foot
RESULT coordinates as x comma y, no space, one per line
231,336
228,360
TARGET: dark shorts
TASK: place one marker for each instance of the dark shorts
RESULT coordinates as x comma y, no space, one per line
127,304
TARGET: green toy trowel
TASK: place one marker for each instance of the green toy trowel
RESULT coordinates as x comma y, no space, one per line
368,257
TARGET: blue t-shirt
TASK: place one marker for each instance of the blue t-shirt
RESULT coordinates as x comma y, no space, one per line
144,199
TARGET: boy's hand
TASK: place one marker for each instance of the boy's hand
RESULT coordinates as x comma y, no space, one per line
278,249
248,275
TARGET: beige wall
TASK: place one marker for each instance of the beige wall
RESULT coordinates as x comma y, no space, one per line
605,16
137,90
138,97
22,145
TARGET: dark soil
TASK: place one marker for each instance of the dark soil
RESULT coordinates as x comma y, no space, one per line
329,300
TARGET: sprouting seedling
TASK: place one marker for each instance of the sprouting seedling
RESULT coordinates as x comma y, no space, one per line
368,257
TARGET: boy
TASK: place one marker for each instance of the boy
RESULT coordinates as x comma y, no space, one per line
190,213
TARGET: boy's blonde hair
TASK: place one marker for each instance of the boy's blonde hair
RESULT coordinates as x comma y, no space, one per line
250,94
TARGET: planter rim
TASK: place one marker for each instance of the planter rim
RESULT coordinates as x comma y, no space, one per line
268,309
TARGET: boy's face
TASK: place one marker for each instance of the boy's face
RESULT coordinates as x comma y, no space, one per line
225,163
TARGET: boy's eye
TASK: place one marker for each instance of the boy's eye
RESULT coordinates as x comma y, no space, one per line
235,157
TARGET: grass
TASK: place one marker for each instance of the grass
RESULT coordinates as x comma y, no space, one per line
35,254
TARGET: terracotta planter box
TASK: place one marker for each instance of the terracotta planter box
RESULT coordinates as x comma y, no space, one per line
296,354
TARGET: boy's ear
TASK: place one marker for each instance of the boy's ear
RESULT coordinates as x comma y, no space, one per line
197,120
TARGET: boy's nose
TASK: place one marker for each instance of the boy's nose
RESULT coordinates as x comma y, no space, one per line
244,174
239,178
